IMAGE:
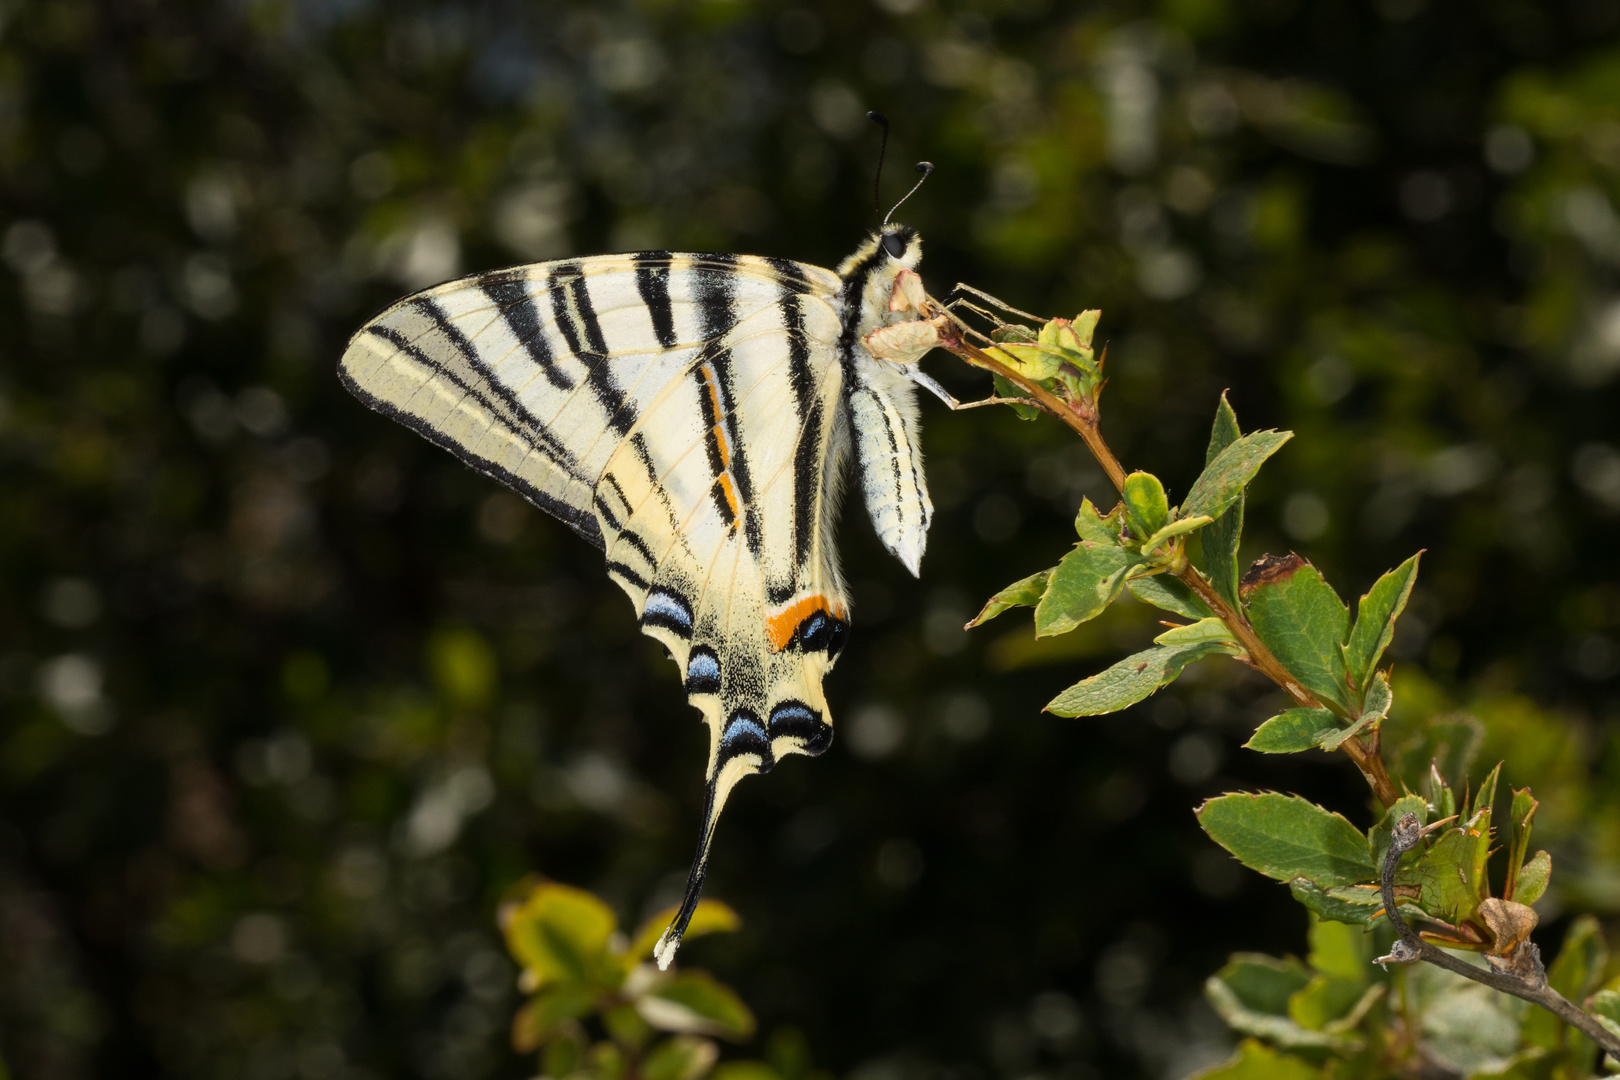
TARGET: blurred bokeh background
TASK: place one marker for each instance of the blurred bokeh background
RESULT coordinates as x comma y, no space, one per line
288,697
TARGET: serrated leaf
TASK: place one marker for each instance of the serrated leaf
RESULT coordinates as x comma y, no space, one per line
1450,875
693,1002
1303,622
1375,619
1533,879
559,933
1485,798
1254,1060
1089,578
1033,361
1223,480
1220,540
709,917
1353,905
1375,707
1285,837
1007,389
1168,594
1145,499
1090,525
1024,593
1378,837
683,1057
1524,809
1176,528
1130,680
1293,731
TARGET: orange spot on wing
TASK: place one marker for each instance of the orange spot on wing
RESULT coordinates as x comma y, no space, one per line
780,626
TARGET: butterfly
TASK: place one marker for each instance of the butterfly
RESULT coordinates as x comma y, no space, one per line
692,416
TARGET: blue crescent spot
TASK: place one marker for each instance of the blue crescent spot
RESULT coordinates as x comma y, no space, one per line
665,606
703,666
743,727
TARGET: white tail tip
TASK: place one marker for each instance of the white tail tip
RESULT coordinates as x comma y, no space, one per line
664,951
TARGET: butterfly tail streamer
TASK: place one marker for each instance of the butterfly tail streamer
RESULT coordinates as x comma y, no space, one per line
670,941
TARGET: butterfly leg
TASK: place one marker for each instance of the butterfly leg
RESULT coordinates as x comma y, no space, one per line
916,375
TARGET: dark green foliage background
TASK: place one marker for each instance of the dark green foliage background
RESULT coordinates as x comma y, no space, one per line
290,697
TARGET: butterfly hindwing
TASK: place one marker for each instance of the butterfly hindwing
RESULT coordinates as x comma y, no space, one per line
689,415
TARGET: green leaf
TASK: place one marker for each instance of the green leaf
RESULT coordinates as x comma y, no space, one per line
1006,389
559,933
1340,951
1252,993
1025,593
1533,878
1304,623
1342,903
709,917
1221,539
1524,808
1169,594
1485,798
1450,875
1605,1006
1223,480
1263,983
694,1002
1293,731
1201,632
1254,1060
1442,800
538,1020
1097,528
1375,620
1129,681
1145,499
744,1070
683,1057
1374,708
1325,999
1284,837
1378,837
1179,527
1089,578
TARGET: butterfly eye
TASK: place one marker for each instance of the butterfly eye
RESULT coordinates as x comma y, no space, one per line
894,245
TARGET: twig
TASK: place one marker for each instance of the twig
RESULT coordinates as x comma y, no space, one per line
1532,987
1082,417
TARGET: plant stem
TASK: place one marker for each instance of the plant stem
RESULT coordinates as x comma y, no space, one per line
1406,836
1082,417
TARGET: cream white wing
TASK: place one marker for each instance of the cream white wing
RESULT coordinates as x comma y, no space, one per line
686,414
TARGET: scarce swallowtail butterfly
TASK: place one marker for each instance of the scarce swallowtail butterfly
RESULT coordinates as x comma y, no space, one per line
690,415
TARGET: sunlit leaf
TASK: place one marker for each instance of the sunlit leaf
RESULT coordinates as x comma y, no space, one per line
1024,593
1375,620
682,1057
1130,680
1284,837
1090,577
1220,540
1223,479
1254,1060
693,1002
1293,731
559,933
1304,623
1149,506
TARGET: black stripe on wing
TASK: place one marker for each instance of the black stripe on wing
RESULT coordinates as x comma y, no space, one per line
581,522
510,294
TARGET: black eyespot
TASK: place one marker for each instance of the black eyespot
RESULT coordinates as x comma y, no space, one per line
837,637
813,632
895,245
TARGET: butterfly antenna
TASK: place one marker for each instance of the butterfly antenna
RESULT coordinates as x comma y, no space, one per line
927,170
883,122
